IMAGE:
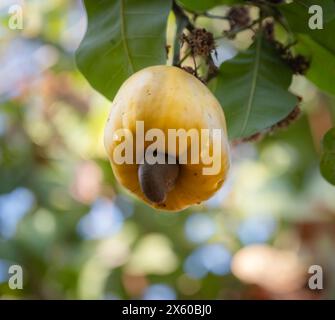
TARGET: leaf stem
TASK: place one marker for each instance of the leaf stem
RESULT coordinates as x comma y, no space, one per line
182,22
195,66
184,57
234,32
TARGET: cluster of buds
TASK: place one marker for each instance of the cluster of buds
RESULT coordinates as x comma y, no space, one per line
298,63
269,32
238,18
290,118
200,41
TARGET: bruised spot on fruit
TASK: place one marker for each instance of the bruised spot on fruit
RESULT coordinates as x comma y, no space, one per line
157,180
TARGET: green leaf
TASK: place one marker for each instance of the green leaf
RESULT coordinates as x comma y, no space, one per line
322,67
203,5
327,164
252,89
319,45
123,36
297,17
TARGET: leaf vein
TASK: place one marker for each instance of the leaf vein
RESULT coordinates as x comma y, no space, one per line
253,85
124,38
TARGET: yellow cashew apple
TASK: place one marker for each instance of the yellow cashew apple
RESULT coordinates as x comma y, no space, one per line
165,98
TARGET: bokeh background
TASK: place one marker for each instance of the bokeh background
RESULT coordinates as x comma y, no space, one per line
78,235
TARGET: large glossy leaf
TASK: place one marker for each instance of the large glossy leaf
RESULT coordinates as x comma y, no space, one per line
123,36
203,5
327,164
252,89
297,18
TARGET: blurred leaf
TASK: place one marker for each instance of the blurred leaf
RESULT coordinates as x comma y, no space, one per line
16,151
122,37
201,5
297,17
327,164
299,138
252,89
322,67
